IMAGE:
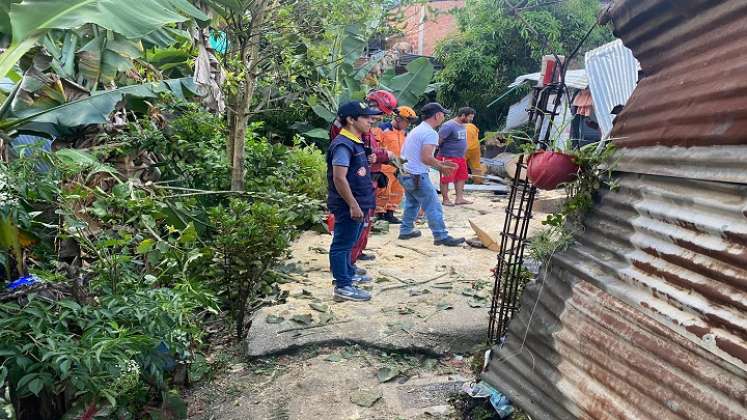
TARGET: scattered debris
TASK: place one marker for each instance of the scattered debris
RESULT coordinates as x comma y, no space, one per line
365,398
334,358
387,373
481,390
273,319
413,284
313,326
319,250
485,238
325,318
319,307
395,277
418,292
411,248
305,319
380,226
304,294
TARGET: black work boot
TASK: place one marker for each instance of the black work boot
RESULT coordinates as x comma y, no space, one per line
449,241
391,218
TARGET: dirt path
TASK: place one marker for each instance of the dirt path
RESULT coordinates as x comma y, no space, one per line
430,305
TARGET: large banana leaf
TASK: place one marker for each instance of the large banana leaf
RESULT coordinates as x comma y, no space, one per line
353,44
31,19
63,58
105,56
410,86
96,108
172,61
5,27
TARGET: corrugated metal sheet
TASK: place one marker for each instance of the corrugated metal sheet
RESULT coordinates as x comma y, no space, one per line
645,317
560,132
573,78
691,97
517,114
613,73
561,129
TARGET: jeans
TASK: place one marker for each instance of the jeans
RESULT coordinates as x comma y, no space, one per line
420,193
346,234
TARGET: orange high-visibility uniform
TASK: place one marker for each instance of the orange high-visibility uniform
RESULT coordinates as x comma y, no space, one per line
473,152
389,198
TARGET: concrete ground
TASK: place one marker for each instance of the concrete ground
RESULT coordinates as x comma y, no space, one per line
430,305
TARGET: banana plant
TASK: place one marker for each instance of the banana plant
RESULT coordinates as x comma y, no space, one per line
347,82
28,21
408,87
90,109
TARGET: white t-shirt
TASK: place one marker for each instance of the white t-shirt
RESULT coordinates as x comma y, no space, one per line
418,137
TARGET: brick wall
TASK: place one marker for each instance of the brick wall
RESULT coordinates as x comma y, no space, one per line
437,26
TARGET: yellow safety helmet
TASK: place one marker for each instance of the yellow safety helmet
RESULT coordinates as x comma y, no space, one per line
406,112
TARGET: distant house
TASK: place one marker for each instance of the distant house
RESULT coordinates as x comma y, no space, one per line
425,25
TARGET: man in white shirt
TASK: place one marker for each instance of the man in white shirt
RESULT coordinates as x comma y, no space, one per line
420,146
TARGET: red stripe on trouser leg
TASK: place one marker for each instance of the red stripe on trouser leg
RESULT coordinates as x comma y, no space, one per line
360,245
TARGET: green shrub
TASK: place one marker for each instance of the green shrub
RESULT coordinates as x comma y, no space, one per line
191,149
298,174
250,239
309,172
121,348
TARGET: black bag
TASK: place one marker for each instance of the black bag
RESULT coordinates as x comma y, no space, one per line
380,179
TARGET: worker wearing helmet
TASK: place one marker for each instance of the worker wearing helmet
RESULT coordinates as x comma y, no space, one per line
392,138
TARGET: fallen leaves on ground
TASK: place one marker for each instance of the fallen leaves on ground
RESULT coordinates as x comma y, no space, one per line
365,398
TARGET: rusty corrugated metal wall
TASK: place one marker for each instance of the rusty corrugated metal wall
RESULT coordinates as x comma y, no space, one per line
646,316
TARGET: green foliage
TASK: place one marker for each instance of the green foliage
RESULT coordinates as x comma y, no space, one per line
104,352
343,82
494,46
297,176
29,20
191,148
95,109
310,172
245,251
561,226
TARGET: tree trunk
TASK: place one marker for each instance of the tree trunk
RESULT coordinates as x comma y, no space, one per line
241,310
240,114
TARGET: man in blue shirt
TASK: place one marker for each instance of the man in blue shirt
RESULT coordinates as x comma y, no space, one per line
350,194
453,147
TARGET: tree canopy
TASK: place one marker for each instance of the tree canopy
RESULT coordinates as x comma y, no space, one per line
496,44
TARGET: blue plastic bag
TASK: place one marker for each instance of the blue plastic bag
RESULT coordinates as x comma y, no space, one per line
24,281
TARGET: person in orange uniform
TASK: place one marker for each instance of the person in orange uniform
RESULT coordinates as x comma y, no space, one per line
392,138
473,153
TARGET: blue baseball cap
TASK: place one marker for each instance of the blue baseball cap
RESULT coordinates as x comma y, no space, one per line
356,109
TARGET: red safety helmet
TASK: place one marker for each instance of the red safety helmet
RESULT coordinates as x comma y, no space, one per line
385,101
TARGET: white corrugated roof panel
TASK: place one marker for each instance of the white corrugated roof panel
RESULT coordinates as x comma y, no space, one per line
573,78
613,75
